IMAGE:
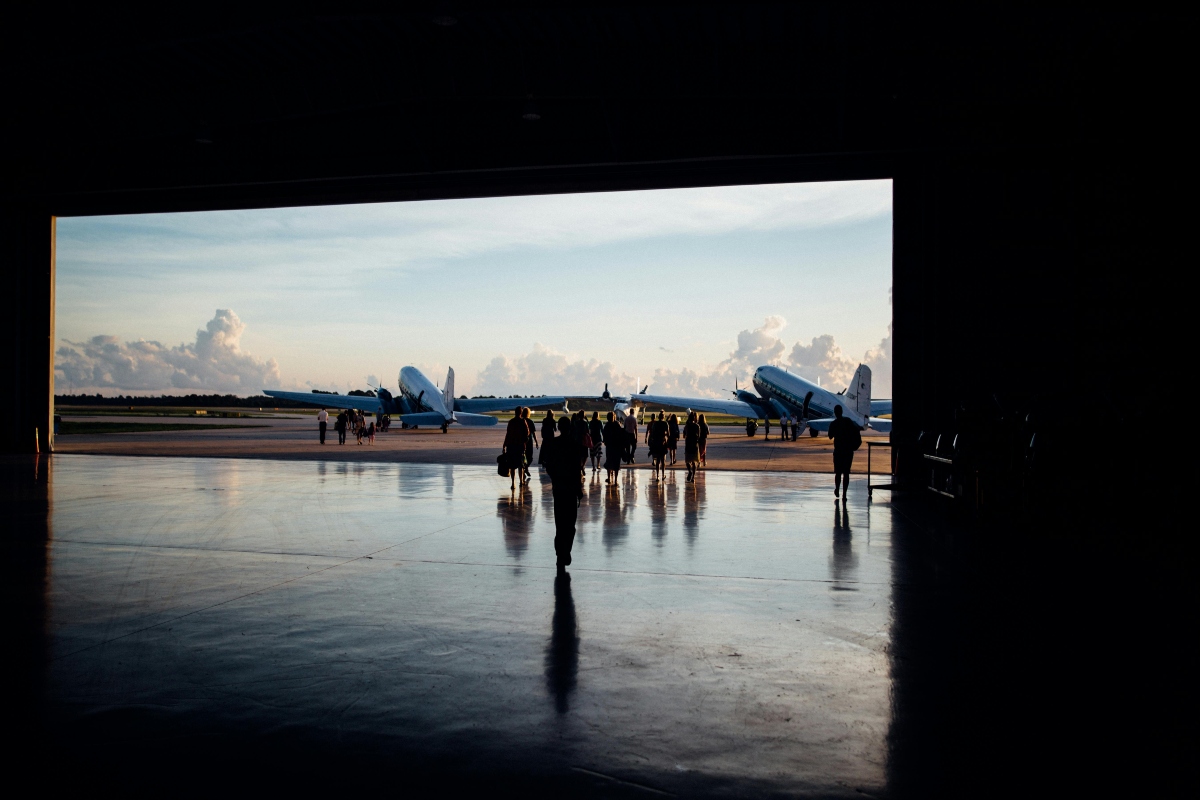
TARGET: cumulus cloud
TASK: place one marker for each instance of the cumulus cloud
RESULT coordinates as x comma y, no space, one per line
821,360
545,371
214,362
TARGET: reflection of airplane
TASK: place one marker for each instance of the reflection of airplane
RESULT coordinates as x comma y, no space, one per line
422,403
783,394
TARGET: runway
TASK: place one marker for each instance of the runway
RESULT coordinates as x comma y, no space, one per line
730,635
295,438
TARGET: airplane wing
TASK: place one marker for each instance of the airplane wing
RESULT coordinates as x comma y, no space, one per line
874,423
485,404
709,405
364,404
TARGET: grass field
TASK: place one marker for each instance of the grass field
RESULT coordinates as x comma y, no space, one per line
66,428
173,411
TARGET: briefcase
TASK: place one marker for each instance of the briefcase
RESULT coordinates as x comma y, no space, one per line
502,465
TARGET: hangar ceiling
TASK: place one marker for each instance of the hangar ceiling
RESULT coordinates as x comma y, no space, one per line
124,112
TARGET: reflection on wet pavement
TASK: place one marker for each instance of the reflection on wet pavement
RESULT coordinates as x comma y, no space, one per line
731,630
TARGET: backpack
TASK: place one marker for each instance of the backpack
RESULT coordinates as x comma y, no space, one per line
856,438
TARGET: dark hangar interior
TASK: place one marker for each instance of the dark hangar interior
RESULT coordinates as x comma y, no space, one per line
1039,159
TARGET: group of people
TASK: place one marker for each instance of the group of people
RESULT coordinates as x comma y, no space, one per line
791,427
662,439
351,422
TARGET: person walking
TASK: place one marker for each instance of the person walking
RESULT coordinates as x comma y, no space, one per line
562,464
514,447
371,433
322,422
631,434
673,437
340,427
614,445
579,429
656,442
596,431
548,426
847,438
691,445
703,440
531,442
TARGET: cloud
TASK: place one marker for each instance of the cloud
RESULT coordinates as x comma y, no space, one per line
821,360
388,236
214,362
545,371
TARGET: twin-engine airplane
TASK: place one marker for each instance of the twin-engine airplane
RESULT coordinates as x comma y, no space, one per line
782,394
422,403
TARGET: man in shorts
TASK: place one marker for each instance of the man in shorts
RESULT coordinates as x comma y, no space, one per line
846,439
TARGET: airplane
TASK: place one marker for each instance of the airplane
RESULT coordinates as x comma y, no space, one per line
781,394
422,403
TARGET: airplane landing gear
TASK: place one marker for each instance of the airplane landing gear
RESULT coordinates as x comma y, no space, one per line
813,432
445,427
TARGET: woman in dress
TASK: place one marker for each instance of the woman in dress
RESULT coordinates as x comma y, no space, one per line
673,437
703,439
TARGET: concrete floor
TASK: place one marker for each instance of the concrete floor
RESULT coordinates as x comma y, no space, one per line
223,624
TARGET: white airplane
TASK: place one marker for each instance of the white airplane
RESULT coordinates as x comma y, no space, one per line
422,403
782,394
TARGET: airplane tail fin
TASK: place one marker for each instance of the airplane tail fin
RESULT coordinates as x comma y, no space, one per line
858,394
448,390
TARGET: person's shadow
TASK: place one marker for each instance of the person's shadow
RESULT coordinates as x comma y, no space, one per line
562,653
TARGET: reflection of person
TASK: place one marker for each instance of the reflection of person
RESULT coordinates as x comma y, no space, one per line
562,463
322,422
846,440
562,653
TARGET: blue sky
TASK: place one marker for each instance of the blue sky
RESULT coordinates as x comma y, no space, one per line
684,289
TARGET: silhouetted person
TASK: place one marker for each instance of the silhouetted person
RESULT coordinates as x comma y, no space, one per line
703,440
530,441
691,446
631,432
562,653
846,439
548,426
657,433
596,431
562,464
340,427
614,447
514,447
322,422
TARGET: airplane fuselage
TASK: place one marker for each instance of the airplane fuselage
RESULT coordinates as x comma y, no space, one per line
421,393
787,392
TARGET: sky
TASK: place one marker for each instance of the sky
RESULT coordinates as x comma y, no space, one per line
686,290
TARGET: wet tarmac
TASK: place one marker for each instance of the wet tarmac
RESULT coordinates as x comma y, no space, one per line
219,622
